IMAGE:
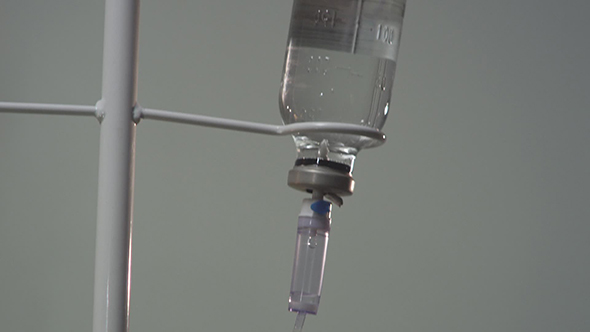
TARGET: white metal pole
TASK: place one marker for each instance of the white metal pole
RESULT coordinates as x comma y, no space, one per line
116,167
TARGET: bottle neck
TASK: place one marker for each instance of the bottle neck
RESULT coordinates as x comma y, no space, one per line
325,154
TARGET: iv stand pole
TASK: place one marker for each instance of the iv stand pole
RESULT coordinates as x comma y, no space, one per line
112,271
118,113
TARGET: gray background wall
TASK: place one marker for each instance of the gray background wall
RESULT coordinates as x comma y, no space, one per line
473,217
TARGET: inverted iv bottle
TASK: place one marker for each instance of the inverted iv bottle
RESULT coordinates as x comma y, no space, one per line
339,67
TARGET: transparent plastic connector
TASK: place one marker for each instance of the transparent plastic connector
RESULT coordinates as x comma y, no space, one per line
310,255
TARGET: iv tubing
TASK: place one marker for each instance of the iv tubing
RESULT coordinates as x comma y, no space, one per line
299,321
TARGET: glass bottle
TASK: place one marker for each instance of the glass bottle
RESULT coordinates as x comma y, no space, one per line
339,67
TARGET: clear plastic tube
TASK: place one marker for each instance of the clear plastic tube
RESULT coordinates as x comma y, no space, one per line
310,255
299,322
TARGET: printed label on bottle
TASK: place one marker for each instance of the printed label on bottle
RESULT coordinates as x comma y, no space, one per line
369,27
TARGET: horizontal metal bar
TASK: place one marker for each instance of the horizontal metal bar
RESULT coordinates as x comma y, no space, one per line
259,128
53,109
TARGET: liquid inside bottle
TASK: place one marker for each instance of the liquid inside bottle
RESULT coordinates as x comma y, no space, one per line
339,67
